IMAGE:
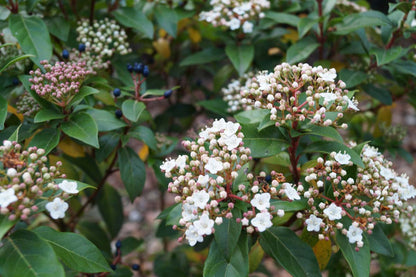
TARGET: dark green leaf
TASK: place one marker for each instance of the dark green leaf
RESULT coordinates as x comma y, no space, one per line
227,234
174,215
74,250
3,112
130,244
132,109
167,19
352,78
380,93
301,50
5,225
111,209
144,134
385,56
323,131
106,120
295,255
108,143
241,56
135,19
217,106
205,56
291,206
59,27
357,21
379,242
46,139
83,92
25,254
13,60
283,18
359,261
251,116
32,35
82,126
132,171
96,234
404,67
305,24
46,115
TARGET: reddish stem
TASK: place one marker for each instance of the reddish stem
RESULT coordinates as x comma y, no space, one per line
321,37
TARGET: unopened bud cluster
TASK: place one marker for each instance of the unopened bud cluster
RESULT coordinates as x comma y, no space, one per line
374,193
300,93
232,93
60,83
27,184
210,181
27,105
235,14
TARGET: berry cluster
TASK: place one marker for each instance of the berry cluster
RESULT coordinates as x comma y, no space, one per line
27,105
235,14
27,185
60,83
299,93
337,193
212,179
232,93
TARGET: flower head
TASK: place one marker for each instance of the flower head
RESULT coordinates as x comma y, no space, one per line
214,166
204,225
57,208
7,197
200,198
354,234
69,186
261,201
262,221
342,158
313,223
333,212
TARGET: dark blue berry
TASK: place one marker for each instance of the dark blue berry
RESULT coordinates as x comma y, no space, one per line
168,93
130,68
135,267
138,67
113,266
81,47
65,54
268,178
118,244
118,114
116,92
15,81
146,71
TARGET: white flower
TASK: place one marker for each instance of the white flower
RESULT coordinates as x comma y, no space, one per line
213,166
291,193
168,165
231,141
203,179
328,96
69,187
247,27
193,236
313,223
204,225
262,221
342,158
181,161
11,172
413,23
386,173
333,212
264,81
370,151
218,125
200,198
57,208
244,221
328,76
261,201
7,197
188,212
351,103
234,24
231,128
8,37
354,234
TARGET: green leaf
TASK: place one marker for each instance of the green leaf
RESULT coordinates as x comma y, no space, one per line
380,93
15,135
74,250
47,114
130,244
144,134
291,206
174,215
83,92
42,102
295,255
5,225
403,67
217,106
167,19
80,185
334,146
135,19
106,120
227,234
32,35
357,21
322,131
132,109
305,24
241,56
301,50
205,56
25,254
283,18
217,264
3,112
251,116
132,171
46,139
379,242
359,262
82,126
4,13
385,56
108,143
13,60
58,26
111,209
402,6
96,234
352,78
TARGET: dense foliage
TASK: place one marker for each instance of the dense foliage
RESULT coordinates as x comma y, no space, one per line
269,123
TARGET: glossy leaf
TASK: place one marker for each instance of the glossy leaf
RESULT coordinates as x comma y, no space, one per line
46,139
255,256
33,36
26,254
96,234
13,60
217,106
301,50
108,143
357,21
74,250
241,56
167,19
111,209
359,261
385,56
5,225
82,126
296,256
106,120
305,24
283,18
135,19
47,114
59,27
205,56
380,93
289,206
379,242
3,112
83,92
251,116
132,171
227,235
323,131
144,134
132,109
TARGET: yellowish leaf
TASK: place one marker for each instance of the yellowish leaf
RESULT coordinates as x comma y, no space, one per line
323,252
162,46
144,152
162,33
183,23
194,35
338,65
13,110
384,116
292,36
67,168
71,148
255,257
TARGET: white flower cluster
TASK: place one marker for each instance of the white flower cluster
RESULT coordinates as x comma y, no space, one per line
205,182
26,183
352,5
235,14
232,93
376,193
300,93
408,226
